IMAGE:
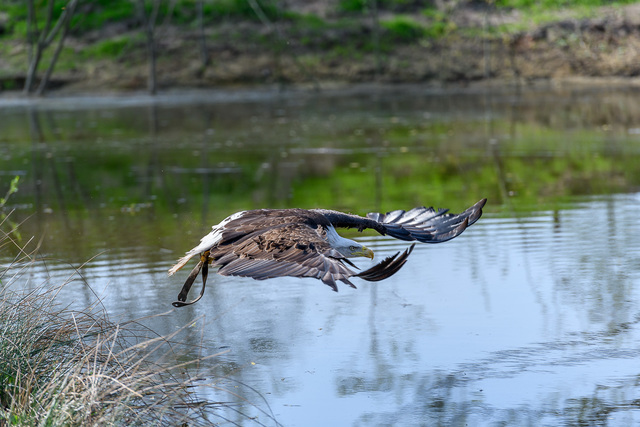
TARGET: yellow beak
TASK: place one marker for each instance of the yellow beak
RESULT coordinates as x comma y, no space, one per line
366,252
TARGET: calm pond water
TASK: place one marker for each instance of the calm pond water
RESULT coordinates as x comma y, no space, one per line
531,317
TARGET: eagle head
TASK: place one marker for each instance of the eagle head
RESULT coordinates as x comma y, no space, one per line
347,247
356,249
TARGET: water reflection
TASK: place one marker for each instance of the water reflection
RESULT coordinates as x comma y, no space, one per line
530,317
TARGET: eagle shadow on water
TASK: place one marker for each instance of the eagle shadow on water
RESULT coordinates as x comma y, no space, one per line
267,243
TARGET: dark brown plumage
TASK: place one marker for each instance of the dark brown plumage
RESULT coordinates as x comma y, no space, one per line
268,243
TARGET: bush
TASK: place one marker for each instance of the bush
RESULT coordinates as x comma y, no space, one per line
351,6
555,4
403,29
108,48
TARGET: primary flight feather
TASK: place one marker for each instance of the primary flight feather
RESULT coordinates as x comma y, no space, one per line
268,243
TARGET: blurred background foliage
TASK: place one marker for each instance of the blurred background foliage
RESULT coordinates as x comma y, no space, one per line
217,42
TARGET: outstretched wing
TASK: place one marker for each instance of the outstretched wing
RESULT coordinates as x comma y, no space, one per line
425,225
285,250
387,267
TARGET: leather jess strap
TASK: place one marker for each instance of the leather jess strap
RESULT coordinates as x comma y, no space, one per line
203,265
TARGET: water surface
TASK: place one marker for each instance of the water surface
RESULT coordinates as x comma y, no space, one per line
531,317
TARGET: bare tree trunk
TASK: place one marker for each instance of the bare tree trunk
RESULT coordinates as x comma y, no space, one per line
32,30
167,18
204,54
152,83
376,36
33,68
34,52
486,46
68,13
47,75
150,22
37,45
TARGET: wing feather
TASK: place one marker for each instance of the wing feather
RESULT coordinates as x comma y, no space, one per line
426,224
296,250
393,216
387,267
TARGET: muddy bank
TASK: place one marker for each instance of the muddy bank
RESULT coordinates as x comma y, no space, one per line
250,53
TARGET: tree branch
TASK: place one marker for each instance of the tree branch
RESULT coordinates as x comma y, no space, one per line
66,20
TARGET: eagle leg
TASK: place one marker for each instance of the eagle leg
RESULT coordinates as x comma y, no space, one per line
203,265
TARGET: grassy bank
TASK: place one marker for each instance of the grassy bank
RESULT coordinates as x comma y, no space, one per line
64,367
267,41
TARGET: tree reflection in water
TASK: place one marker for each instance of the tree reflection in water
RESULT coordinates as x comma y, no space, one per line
529,318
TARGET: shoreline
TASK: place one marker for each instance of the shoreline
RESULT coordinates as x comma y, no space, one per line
258,92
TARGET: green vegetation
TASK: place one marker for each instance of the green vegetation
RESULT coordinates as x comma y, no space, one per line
17,11
5,222
351,6
557,4
403,29
440,24
404,41
13,188
545,11
110,48
126,171
97,13
242,9
101,12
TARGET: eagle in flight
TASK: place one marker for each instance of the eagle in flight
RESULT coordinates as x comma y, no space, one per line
268,243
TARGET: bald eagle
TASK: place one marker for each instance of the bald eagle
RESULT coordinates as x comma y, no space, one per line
268,243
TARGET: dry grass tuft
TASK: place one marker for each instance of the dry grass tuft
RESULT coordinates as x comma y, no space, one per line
60,366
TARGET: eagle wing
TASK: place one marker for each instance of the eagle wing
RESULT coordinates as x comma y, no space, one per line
296,250
387,267
426,225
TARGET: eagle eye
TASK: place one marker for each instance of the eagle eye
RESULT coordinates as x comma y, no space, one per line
353,248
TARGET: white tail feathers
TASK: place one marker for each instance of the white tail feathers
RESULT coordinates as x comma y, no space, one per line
181,262
206,243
